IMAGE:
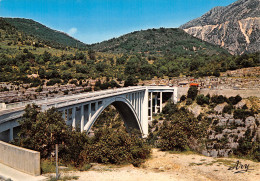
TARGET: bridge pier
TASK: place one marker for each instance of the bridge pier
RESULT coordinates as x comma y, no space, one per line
160,101
82,119
11,133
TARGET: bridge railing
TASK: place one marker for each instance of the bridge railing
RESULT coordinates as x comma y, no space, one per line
61,98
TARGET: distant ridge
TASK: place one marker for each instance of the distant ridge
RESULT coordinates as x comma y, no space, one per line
51,37
154,41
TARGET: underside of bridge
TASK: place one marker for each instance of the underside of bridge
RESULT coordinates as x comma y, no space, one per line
128,117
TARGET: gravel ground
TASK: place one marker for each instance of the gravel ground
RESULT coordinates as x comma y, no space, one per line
163,166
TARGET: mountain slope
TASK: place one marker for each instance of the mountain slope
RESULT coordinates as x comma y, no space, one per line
51,37
163,40
235,27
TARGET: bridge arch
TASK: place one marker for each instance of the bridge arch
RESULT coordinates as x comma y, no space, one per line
126,111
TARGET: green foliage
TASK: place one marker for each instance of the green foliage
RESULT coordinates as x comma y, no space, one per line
227,109
117,147
235,100
178,129
158,41
40,131
201,99
249,145
242,114
192,92
53,81
48,36
183,98
170,108
218,99
130,81
189,101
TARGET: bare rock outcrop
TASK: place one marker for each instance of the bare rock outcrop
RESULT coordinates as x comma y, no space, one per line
235,27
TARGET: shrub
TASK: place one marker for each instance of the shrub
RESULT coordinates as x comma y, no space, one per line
189,101
192,92
201,99
218,99
176,132
117,147
235,100
242,114
169,108
183,98
53,82
227,109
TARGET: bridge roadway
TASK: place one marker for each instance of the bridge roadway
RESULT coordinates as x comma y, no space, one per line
135,104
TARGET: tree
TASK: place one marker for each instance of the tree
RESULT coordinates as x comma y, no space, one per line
192,92
92,55
41,73
130,81
40,131
46,56
235,100
201,99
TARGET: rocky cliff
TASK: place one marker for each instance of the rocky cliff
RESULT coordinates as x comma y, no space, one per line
235,27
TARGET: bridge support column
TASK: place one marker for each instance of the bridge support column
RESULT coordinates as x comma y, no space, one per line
82,119
155,102
160,101
68,115
134,100
63,114
144,111
151,105
137,105
131,99
140,105
175,96
89,112
11,134
74,117
96,106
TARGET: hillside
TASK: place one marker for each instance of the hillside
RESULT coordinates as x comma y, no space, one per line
163,40
49,36
235,27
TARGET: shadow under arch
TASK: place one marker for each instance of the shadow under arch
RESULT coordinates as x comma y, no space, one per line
126,111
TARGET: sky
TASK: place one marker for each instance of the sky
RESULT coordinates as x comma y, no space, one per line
92,21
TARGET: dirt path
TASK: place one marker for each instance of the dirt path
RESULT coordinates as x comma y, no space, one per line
164,166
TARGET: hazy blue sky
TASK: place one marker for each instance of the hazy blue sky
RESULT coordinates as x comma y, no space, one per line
96,20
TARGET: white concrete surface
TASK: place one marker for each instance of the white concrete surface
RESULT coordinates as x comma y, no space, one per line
8,172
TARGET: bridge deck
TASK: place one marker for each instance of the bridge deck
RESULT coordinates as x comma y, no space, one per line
71,99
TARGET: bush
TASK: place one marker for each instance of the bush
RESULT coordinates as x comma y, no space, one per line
116,147
169,108
235,100
189,101
242,114
201,99
53,82
192,92
183,98
227,109
218,99
176,132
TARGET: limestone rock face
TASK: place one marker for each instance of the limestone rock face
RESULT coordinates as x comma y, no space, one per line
235,27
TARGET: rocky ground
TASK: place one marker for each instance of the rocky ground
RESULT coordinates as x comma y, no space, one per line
164,166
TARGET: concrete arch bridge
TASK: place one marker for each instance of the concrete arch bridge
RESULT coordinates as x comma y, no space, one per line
136,105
